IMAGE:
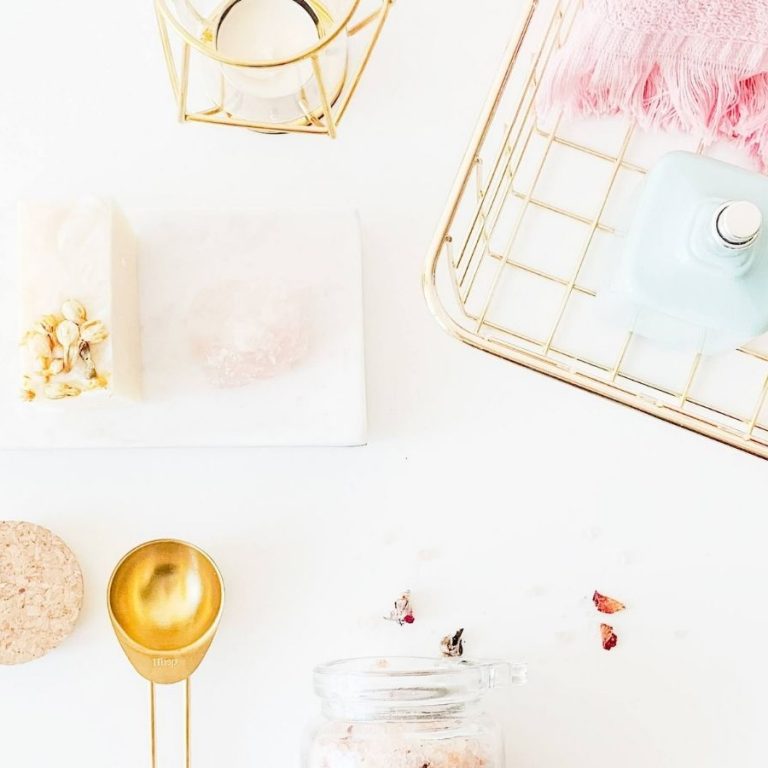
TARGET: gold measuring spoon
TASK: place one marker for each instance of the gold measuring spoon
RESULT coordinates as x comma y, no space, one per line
165,600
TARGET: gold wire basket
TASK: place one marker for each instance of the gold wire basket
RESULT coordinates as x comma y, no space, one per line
203,77
518,261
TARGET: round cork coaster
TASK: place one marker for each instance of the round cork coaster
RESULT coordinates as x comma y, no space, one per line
41,591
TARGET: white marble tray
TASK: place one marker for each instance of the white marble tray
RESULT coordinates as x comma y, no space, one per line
320,402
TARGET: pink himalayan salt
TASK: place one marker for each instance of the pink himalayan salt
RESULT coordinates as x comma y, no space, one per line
243,332
396,746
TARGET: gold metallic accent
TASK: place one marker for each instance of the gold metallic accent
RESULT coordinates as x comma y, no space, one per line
323,121
326,102
466,303
165,600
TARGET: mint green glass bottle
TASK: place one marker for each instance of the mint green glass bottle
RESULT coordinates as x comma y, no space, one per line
694,272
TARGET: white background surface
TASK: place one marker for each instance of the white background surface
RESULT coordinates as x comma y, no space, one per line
501,498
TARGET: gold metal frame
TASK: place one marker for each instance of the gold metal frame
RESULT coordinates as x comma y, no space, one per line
323,121
460,251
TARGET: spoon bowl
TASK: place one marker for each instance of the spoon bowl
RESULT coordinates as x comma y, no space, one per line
165,601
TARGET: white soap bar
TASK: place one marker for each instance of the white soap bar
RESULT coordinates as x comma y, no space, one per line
85,252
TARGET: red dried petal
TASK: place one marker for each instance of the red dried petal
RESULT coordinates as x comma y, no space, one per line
607,604
610,638
409,618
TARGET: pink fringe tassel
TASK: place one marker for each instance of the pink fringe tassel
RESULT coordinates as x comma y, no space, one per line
664,80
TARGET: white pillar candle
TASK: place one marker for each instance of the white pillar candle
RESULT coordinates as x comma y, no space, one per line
267,30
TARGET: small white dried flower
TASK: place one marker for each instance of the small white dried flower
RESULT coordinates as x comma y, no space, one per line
46,325
67,333
39,345
94,332
85,355
56,366
97,382
58,390
71,357
74,311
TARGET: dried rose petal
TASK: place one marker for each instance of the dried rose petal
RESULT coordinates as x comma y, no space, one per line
607,604
610,639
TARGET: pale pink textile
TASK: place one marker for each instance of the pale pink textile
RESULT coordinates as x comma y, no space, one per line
696,65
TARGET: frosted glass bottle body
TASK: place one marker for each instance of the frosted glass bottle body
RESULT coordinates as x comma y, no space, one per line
694,270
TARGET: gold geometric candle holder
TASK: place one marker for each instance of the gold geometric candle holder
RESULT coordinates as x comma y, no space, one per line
274,66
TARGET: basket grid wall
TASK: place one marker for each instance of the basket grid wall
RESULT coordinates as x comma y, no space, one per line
524,251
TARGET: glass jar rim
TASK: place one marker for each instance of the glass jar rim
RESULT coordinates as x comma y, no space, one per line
167,14
413,679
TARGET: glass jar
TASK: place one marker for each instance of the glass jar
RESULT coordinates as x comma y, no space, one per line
408,713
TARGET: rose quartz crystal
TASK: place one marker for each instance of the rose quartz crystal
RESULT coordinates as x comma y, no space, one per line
242,332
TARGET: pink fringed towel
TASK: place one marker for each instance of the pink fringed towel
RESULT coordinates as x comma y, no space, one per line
696,65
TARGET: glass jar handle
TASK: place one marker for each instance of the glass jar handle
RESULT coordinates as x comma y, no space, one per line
501,674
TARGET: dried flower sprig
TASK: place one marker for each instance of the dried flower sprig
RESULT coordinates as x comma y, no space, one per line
452,646
60,351
402,613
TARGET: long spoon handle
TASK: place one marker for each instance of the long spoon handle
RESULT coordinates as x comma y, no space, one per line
152,725
187,722
187,719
